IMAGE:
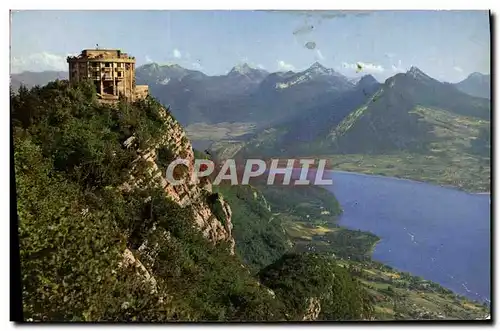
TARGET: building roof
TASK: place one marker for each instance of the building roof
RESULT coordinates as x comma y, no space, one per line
101,53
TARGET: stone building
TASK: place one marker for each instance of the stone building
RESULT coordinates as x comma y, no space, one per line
112,72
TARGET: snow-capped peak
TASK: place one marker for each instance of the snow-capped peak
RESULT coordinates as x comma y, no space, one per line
417,73
242,69
317,68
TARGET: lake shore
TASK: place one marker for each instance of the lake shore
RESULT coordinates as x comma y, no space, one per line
406,211
469,175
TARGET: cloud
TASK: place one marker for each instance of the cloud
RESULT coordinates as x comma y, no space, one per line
320,55
364,67
390,55
196,66
456,68
398,67
282,65
38,62
148,59
177,54
260,66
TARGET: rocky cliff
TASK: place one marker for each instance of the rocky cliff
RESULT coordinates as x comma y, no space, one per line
103,235
194,197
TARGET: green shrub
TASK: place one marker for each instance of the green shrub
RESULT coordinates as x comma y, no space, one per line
74,224
296,278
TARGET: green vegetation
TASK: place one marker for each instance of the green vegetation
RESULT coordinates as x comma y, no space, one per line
259,235
395,295
411,128
74,223
448,149
302,201
462,171
303,277
399,295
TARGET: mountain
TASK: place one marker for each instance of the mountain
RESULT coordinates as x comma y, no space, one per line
196,96
317,76
410,112
245,94
252,74
30,78
104,236
299,134
476,84
282,95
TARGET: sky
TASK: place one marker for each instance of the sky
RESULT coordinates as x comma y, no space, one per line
447,45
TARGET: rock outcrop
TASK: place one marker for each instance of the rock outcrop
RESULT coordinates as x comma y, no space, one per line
313,310
145,172
188,194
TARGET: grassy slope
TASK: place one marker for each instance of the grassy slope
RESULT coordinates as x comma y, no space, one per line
260,237
74,222
457,154
258,215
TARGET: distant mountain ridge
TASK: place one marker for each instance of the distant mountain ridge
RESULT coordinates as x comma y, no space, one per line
30,78
295,135
476,84
245,94
399,115
389,120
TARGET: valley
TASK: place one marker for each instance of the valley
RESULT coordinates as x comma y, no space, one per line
258,166
312,225
401,128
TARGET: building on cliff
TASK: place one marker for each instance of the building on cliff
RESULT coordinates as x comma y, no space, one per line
112,72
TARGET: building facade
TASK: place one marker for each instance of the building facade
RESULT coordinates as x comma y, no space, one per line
112,72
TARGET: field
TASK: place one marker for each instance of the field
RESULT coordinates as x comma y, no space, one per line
463,172
219,131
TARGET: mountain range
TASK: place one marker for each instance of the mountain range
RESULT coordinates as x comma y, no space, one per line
105,236
244,94
476,84
319,110
30,78
409,112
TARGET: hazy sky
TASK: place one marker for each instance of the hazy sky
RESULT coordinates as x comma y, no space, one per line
447,45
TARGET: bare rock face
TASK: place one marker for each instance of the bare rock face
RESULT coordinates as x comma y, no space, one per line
313,310
190,194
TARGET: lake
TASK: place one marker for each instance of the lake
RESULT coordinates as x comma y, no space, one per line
438,233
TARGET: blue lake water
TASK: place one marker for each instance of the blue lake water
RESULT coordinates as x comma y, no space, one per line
438,233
